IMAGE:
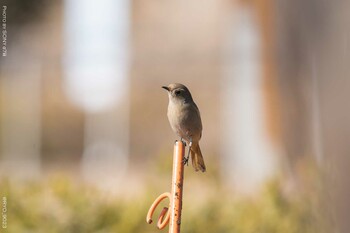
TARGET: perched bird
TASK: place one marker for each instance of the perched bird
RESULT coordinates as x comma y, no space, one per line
185,120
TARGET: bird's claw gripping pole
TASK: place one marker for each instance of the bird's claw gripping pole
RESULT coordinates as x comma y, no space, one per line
186,159
173,214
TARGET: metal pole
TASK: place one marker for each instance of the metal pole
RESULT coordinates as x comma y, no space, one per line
174,213
177,188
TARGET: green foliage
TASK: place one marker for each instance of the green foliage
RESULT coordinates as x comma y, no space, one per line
60,205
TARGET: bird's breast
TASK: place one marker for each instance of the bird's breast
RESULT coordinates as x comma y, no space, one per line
185,120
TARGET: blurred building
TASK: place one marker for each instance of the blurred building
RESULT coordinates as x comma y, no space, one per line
245,63
76,121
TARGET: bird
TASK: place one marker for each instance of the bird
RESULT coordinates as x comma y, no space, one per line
185,120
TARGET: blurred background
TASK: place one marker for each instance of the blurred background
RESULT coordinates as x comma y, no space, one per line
85,144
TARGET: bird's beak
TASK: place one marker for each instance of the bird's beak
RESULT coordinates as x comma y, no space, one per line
166,88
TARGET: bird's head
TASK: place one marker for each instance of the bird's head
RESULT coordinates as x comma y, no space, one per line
178,93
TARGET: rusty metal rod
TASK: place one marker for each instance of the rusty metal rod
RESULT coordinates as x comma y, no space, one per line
177,187
174,212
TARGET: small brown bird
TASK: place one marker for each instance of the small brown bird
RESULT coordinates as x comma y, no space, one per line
185,120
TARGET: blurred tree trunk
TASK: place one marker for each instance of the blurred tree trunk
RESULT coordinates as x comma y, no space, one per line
314,75
301,27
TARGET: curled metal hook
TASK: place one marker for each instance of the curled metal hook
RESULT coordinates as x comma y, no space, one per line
162,221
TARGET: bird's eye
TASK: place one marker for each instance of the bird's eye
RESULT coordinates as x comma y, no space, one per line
177,92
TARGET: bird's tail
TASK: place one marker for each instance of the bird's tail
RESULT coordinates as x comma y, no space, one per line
197,158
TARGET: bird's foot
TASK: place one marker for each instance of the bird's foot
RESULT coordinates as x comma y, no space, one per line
183,141
185,160
188,155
